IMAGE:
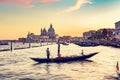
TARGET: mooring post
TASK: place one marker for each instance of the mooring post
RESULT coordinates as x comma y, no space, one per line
11,47
29,45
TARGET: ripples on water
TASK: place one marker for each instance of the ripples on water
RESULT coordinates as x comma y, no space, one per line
18,65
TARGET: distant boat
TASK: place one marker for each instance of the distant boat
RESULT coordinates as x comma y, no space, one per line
64,59
65,43
86,44
117,70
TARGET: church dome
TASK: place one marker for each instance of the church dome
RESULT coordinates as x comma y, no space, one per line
51,29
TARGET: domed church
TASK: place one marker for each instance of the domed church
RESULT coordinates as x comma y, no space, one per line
50,32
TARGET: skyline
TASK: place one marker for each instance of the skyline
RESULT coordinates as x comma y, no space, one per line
69,17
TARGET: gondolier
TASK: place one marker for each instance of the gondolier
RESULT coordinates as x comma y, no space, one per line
48,53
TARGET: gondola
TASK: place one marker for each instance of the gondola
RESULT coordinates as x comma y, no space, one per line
64,59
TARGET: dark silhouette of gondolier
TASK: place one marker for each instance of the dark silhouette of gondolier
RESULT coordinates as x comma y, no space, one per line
48,53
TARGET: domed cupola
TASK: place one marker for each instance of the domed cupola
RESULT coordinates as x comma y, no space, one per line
51,29
51,32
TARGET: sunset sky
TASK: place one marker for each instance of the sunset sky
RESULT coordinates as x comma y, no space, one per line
69,17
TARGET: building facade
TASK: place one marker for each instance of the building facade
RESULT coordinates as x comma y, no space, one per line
88,34
44,32
45,35
117,30
51,32
117,25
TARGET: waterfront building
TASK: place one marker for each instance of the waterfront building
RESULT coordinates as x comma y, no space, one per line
117,30
44,32
51,32
88,34
45,35
22,39
30,37
65,39
77,39
38,38
117,25
70,39
106,31
100,36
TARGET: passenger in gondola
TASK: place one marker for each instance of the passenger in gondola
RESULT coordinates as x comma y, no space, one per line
48,53
82,53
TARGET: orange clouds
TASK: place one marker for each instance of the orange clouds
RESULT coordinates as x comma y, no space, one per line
26,3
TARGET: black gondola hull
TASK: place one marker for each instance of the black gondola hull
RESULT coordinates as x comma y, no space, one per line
64,59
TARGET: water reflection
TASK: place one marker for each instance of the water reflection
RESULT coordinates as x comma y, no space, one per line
61,70
47,68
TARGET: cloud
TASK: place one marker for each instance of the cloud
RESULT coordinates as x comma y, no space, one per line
46,1
26,3
30,4
77,6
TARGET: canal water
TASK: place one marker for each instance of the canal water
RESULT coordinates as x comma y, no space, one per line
17,65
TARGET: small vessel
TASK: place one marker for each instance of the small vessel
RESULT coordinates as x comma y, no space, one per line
86,44
64,59
60,59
